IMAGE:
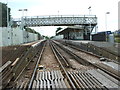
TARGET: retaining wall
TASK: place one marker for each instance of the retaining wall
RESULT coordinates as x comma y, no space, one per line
15,36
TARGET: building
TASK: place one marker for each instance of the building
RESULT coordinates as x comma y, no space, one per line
101,36
74,33
3,15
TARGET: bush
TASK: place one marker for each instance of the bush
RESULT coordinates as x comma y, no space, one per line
117,39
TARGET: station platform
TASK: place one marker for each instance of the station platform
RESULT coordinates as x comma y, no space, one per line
113,48
106,49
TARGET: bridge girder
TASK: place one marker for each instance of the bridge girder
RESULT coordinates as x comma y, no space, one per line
85,20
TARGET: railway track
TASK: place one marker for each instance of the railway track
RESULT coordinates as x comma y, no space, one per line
10,56
91,59
56,66
65,75
86,49
16,64
49,78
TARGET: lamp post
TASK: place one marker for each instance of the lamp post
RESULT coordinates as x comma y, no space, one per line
106,23
106,19
58,13
90,23
23,11
89,10
22,16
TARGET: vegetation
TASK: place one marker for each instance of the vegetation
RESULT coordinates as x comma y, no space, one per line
117,40
46,37
58,29
32,31
14,24
117,36
52,37
3,14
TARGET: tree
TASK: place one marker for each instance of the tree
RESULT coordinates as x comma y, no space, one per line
14,24
59,28
3,14
32,31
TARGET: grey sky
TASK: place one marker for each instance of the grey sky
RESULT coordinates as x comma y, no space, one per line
68,7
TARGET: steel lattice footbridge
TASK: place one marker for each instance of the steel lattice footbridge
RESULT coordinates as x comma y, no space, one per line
60,20
88,22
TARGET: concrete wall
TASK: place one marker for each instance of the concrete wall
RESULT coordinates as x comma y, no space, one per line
25,37
5,36
1,37
111,38
35,37
58,37
15,36
31,37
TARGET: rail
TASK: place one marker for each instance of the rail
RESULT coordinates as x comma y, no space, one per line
104,68
35,69
56,52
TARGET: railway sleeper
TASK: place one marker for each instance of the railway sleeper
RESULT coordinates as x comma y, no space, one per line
86,81
49,79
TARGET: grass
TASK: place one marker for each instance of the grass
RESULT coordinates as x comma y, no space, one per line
117,39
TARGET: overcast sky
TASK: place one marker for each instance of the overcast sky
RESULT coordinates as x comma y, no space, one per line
67,7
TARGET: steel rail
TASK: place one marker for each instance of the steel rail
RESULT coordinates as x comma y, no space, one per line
90,53
35,69
7,73
79,59
33,46
12,67
62,57
115,74
56,53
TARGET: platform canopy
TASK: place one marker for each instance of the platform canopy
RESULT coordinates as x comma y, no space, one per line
69,28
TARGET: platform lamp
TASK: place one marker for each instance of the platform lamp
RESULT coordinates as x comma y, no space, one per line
106,19
23,11
90,23
89,10
58,13
106,24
